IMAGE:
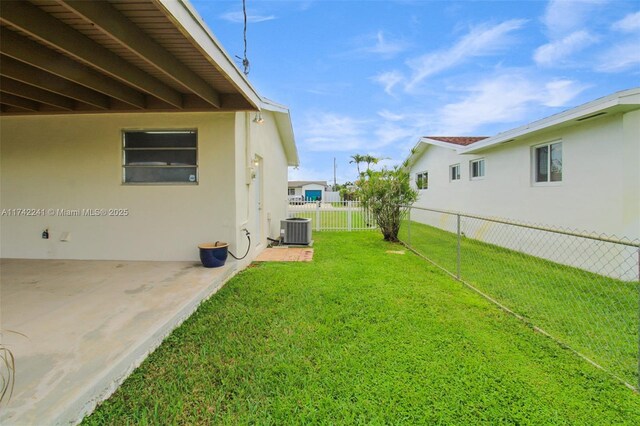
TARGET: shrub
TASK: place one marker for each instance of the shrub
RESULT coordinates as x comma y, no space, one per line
383,193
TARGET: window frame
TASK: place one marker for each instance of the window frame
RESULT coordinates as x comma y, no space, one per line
534,163
425,174
176,130
458,177
291,191
484,168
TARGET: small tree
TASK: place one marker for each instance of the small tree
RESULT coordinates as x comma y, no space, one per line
347,191
383,193
370,159
357,159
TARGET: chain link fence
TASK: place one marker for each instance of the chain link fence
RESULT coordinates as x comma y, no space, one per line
581,289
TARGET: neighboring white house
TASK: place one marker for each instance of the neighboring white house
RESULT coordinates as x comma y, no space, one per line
308,190
128,133
579,169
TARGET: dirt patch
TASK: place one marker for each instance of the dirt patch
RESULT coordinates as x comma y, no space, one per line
395,251
286,254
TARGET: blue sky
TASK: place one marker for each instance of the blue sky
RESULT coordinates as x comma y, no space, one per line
371,77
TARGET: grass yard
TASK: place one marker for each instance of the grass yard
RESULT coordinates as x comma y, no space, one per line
596,315
361,336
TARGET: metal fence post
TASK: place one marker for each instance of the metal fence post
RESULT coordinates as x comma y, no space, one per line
409,227
458,257
317,216
349,216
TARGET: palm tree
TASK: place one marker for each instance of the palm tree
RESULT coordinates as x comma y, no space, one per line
370,159
357,159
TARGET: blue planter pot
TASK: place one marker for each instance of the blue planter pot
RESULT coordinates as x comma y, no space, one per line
213,255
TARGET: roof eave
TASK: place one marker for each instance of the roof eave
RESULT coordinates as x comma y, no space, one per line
620,101
282,119
442,144
186,18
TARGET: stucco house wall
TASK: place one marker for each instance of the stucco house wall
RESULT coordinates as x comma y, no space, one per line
300,188
599,191
75,162
312,187
271,181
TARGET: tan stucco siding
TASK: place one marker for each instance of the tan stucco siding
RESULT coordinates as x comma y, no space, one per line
75,162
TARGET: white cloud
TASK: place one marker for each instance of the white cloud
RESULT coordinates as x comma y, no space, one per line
339,133
507,98
566,16
480,41
623,54
387,133
389,80
308,173
557,51
384,47
390,116
628,24
621,57
332,132
558,93
238,17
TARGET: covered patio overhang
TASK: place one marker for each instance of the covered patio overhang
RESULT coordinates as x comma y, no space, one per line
66,56
85,325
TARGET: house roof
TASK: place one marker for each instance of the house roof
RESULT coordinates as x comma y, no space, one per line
285,129
300,183
451,142
114,56
457,140
623,101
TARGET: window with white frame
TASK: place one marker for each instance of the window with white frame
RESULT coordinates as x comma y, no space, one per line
476,168
454,172
292,191
547,162
422,180
160,156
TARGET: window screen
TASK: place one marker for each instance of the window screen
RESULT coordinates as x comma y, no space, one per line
167,156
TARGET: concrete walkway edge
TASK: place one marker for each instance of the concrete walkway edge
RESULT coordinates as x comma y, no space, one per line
103,387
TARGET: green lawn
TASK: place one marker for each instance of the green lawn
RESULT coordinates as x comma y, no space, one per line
361,336
595,315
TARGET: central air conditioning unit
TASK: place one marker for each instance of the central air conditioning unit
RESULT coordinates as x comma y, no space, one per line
296,230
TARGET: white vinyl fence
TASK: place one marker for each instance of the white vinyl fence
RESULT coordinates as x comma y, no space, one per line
333,216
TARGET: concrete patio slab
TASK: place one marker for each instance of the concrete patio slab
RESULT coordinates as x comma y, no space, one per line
88,325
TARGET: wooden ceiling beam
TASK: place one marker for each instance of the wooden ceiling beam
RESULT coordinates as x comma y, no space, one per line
39,56
113,23
51,31
25,73
36,94
20,102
